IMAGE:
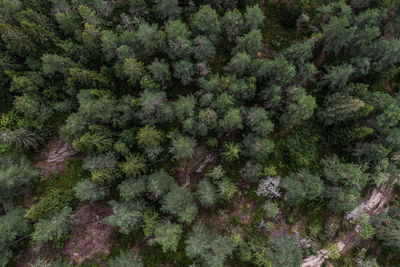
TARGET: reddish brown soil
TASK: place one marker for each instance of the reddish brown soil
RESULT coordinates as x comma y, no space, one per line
30,255
189,170
91,234
52,158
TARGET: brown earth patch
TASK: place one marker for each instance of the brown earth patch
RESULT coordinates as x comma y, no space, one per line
30,255
189,170
52,158
90,235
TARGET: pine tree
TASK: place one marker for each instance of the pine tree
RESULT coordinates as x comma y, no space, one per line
253,17
206,193
13,225
127,216
206,22
179,202
182,146
88,190
168,9
159,183
125,259
55,229
302,186
232,24
168,235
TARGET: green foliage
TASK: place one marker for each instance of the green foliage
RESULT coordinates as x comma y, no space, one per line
55,229
366,229
133,166
52,202
127,216
339,107
300,149
337,76
206,22
159,69
168,9
168,235
302,186
283,252
13,225
333,251
179,202
232,23
151,105
88,190
132,188
158,183
346,180
182,146
253,17
184,70
125,259
211,249
271,209
133,69
149,38
249,43
386,227
299,107
257,148
206,193
150,221
15,173
230,152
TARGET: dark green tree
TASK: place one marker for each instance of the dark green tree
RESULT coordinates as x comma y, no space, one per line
206,193
179,202
13,225
302,186
127,216
168,236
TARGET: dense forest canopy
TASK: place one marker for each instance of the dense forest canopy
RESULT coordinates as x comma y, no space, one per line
199,133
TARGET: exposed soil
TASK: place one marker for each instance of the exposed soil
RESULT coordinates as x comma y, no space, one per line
242,207
30,255
52,158
282,227
89,237
91,234
188,171
376,203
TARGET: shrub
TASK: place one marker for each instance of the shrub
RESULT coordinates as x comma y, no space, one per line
55,200
54,229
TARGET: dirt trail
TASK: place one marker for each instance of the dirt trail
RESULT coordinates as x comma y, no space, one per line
376,203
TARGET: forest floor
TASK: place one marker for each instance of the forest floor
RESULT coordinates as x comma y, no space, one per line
51,160
90,234
376,203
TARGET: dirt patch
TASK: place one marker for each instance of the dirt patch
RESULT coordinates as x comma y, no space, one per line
282,227
90,234
52,158
29,200
30,255
189,170
242,208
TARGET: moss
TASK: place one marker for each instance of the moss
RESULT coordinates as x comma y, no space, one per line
55,200
72,174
